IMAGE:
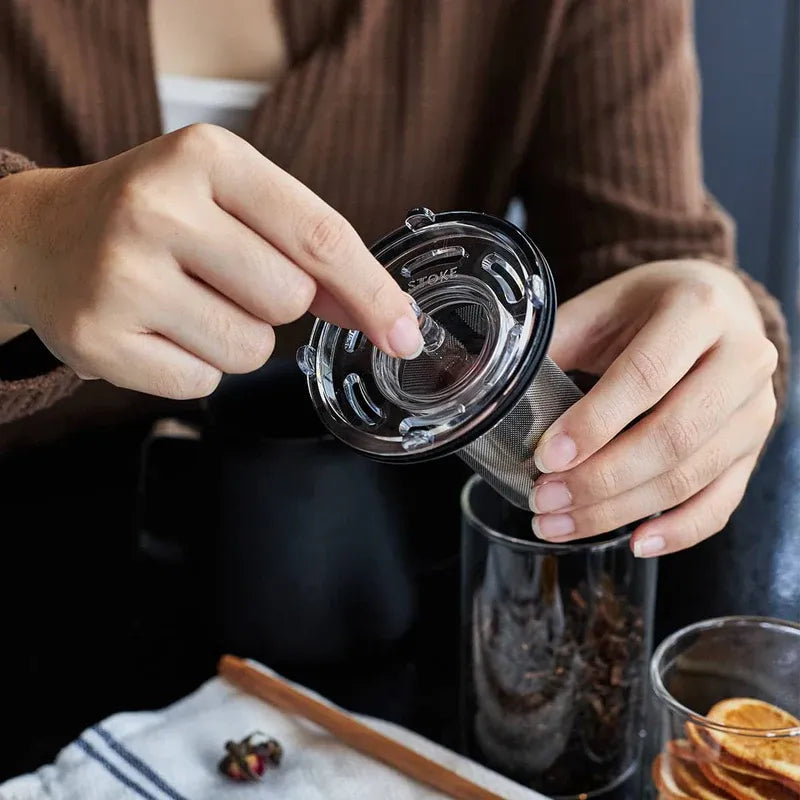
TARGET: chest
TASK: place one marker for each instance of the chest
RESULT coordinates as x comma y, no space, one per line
238,39
376,105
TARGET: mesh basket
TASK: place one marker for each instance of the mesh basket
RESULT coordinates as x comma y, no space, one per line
503,456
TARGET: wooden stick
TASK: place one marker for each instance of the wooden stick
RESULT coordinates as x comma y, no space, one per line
350,731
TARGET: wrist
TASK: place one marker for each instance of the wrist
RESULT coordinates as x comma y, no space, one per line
12,188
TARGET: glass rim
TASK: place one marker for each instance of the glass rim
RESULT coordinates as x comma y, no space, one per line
716,623
527,545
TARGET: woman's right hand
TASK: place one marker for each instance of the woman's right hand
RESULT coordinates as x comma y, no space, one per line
170,264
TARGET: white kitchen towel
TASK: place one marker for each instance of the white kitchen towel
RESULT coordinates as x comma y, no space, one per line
173,755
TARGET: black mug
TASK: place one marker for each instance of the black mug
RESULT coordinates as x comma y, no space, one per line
302,553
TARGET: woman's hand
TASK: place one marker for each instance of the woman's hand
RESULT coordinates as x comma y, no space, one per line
164,267
684,341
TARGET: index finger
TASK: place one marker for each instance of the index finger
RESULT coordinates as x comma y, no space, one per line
320,241
654,361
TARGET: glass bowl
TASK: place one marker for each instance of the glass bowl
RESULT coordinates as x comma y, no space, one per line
726,702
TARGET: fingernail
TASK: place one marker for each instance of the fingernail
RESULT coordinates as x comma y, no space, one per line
553,526
648,547
405,338
550,497
555,454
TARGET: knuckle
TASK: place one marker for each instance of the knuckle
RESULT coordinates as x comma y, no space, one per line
189,385
767,409
602,483
768,359
695,532
131,192
220,325
601,518
675,438
200,138
304,296
759,355
679,485
167,383
204,382
254,350
247,345
771,405
699,526
135,211
716,461
230,336
295,301
601,421
266,345
326,239
646,371
714,400
377,290
694,292
717,520
696,528
133,195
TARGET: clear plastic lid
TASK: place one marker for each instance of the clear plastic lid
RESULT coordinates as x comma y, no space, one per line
485,300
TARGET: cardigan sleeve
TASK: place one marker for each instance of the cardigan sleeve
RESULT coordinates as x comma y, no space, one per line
30,377
613,178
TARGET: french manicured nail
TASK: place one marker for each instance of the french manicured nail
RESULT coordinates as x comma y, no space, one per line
405,338
553,526
550,497
555,453
649,546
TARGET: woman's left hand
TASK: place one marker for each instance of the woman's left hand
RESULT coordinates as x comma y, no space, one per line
684,341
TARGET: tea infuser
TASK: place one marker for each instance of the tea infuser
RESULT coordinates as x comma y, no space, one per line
483,386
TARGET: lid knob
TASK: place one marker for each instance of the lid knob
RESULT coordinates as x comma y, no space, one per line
306,359
418,217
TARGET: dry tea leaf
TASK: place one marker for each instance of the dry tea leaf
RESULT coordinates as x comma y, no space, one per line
558,704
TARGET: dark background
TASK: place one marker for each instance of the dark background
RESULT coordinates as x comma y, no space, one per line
118,556
750,66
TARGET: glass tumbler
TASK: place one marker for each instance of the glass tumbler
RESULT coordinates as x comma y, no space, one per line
726,703
555,647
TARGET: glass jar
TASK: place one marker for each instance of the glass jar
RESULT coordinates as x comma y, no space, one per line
555,647
726,702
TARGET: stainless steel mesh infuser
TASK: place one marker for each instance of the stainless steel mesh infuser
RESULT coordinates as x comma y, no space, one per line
483,386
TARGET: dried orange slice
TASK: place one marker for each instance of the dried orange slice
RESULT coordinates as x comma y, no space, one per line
707,750
779,756
682,780
664,779
682,749
746,787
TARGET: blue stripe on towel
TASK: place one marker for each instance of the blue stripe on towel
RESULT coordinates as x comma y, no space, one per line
120,776
136,763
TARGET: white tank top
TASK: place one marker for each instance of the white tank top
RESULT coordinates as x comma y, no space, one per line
229,103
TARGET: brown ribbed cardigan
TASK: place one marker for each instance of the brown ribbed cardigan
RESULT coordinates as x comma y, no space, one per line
586,110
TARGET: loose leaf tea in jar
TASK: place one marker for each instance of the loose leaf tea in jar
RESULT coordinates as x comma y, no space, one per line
556,641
